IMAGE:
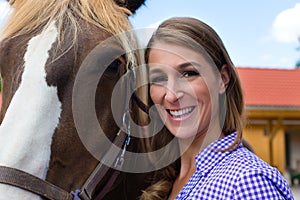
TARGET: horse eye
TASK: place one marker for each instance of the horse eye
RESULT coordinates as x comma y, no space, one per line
113,69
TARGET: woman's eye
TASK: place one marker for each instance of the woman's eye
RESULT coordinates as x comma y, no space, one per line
158,79
190,73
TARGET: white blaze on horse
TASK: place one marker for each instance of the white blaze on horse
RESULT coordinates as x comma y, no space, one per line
30,121
42,48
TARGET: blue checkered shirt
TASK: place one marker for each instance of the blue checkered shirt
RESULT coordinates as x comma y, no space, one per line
237,174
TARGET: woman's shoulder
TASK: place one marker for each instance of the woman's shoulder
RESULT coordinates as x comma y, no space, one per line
243,164
257,175
248,161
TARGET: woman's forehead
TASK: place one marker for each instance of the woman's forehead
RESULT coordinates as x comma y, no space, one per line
173,55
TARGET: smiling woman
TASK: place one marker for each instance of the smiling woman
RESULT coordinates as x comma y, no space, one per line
197,93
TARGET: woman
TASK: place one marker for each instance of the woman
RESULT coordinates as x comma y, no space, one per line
197,93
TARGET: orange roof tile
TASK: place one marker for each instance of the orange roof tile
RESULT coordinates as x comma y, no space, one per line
270,87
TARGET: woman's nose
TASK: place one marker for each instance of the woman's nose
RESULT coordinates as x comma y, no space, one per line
173,93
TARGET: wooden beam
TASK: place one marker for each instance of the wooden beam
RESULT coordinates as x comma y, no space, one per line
272,114
272,132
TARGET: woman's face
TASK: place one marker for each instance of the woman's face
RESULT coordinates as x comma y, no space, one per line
184,88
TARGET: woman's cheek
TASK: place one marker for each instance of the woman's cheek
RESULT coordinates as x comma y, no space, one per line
156,94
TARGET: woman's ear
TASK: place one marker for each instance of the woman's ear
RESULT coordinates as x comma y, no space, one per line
225,78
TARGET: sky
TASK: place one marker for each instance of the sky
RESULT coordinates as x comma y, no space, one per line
256,33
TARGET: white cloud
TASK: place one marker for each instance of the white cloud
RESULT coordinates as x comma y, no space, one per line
282,61
286,26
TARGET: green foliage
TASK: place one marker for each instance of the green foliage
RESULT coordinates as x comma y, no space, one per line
298,64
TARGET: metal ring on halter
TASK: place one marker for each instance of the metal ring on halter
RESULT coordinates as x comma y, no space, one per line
120,160
134,73
126,121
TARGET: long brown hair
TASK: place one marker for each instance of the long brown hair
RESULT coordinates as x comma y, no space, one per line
192,33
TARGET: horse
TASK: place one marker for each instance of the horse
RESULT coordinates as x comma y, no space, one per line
43,47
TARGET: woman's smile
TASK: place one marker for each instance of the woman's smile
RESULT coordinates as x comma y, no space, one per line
180,114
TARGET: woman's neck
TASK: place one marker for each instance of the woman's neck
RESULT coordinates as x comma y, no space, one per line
189,149
187,168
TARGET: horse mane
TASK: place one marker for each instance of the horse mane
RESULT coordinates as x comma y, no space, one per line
31,15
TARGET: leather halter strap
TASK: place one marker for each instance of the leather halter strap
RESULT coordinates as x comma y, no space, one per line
140,103
89,188
17,178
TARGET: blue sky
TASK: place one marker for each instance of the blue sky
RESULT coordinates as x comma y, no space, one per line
256,33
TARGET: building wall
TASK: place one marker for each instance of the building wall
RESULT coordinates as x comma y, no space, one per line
255,136
260,139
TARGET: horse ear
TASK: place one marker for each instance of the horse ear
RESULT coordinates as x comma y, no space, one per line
132,5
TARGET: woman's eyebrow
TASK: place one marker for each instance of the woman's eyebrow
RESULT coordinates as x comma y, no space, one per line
187,64
179,67
154,71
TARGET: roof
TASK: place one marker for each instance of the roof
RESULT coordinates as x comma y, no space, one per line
270,87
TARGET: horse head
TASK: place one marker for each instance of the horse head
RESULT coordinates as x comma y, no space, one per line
41,55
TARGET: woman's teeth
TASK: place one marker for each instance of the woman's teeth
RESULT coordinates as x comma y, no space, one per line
181,113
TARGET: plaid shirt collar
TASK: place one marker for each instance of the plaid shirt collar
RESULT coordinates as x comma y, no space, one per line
210,156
